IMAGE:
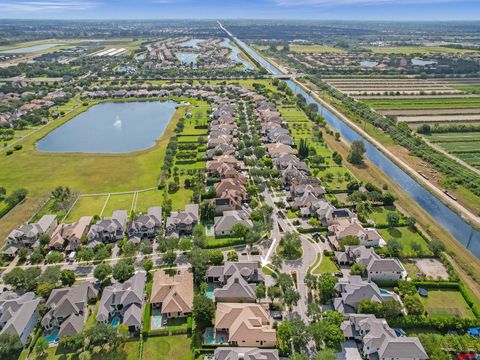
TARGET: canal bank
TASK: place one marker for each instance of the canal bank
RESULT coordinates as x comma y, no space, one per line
458,227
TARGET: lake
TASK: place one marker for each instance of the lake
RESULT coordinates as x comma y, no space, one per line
187,58
111,128
29,49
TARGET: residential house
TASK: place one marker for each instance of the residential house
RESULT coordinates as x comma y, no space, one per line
380,341
245,325
340,228
354,289
173,295
69,236
123,303
377,268
146,225
109,229
231,353
223,224
279,148
28,234
67,309
18,314
236,281
181,223
232,185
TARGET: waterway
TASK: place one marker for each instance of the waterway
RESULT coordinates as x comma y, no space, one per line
450,220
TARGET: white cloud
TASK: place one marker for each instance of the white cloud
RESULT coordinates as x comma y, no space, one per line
357,2
46,6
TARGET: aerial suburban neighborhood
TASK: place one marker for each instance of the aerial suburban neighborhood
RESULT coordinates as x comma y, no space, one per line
238,189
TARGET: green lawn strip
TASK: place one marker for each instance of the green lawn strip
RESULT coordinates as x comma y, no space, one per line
409,50
412,268
447,303
213,242
407,237
86,206
92,317
176,347
327,266
118,202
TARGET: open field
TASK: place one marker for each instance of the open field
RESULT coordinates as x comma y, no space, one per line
315,48
118,202
87,206
408,50
440,119
447,303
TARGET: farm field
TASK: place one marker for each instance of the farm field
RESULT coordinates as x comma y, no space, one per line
420,103
464,145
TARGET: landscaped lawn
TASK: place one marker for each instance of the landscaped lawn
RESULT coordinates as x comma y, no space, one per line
407,237
118,202
327,266
291,214
380,213
87,206
447,303
412,268
292,114
167,347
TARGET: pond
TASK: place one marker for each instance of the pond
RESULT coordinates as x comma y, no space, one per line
420,62
111,128
187,58
368,63
29,49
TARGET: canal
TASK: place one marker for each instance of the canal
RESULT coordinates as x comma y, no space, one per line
450,220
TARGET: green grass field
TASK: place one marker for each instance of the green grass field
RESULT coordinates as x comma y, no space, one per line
148,199
292,114
407,237
167,347
447,303
408,50
118,202
86,206
464,145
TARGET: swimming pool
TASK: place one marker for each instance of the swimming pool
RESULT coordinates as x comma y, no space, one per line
209,291
210,337
116,320
52,337
384,292
157,319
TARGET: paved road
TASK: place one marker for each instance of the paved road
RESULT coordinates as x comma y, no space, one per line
300,266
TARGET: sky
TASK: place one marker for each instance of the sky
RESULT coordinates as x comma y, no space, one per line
245,9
